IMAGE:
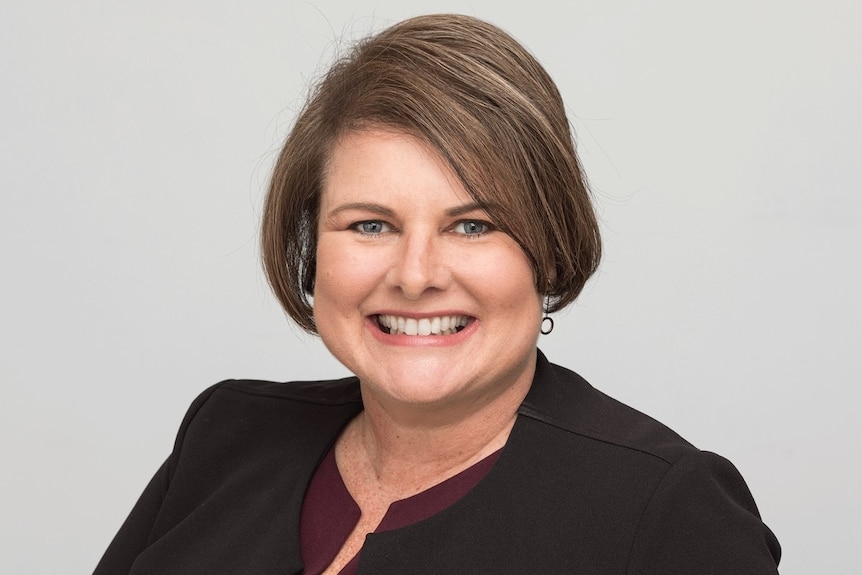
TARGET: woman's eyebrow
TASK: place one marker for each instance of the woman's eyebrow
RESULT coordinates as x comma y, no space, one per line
384,211
363,206
465,209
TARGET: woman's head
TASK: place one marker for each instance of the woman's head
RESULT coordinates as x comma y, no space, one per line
481,101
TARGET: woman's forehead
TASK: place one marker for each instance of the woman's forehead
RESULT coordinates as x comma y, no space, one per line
374,165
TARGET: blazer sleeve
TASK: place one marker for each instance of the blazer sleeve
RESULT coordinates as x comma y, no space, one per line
133,537
702,519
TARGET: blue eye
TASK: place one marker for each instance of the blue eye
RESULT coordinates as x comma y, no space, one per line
371,227
472,227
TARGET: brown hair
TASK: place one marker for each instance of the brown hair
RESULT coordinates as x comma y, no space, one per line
486,105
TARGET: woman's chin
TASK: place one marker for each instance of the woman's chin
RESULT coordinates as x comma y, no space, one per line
417,389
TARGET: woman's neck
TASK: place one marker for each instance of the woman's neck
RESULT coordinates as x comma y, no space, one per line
407,449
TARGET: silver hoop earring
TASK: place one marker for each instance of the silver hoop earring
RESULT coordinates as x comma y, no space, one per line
547,321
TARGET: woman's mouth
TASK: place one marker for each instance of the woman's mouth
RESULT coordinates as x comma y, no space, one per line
441,325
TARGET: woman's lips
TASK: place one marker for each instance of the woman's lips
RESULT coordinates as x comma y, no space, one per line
434,325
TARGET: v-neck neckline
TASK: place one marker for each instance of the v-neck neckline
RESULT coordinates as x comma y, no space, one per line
329,512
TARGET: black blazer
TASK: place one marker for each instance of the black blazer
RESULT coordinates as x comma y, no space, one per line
584,485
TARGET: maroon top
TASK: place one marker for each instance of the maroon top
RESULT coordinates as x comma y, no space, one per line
329,512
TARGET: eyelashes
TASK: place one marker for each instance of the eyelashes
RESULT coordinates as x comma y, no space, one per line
472,228
371,227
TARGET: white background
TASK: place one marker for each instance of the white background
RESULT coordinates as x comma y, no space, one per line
722,140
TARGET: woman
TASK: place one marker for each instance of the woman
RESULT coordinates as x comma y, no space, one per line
426,211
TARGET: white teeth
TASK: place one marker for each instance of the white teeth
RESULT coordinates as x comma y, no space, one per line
442,325
424,326
411,326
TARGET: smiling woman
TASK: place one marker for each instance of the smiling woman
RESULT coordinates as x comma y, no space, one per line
490,113
420,266
427,209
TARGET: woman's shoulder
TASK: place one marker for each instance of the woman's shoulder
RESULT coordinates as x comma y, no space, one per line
562,398
268,407
325,392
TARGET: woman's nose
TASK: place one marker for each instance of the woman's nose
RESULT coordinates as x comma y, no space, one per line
419,266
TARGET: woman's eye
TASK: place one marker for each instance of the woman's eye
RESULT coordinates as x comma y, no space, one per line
371,227
472,227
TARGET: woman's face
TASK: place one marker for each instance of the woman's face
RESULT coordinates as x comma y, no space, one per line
416,292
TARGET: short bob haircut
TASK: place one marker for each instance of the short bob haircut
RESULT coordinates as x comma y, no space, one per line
490,110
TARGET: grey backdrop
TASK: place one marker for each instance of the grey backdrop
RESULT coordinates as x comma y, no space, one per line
722,140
